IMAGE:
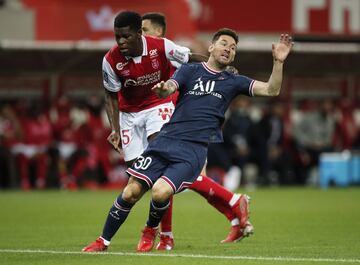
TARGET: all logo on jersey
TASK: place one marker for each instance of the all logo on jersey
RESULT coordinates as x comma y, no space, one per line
165,113
208,87
204,88
155,64
120,66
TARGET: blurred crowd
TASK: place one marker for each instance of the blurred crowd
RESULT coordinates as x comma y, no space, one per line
265,143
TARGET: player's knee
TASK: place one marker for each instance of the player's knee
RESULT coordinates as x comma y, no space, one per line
132,193
161,192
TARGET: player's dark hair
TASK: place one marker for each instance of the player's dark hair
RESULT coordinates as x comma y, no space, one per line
225,31
128,18
156,18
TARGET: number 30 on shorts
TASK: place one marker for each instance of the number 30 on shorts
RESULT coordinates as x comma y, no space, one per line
142,162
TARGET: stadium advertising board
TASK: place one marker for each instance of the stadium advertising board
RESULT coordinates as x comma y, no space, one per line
92,20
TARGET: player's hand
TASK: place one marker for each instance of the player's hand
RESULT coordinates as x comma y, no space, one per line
160,89
281,49
114,139
232,69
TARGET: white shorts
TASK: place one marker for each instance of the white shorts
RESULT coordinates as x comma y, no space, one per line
136,127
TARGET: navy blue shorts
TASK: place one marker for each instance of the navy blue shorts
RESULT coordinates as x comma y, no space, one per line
178,162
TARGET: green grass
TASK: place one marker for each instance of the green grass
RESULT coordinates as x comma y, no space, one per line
305,224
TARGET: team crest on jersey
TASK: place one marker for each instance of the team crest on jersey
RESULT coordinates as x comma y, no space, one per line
120,66
155,64
153,53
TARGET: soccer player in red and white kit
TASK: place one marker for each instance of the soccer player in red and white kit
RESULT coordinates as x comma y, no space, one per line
154,24
130,69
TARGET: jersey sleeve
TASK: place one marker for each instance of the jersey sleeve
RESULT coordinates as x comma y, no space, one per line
176,54
110,80
244,85
181,76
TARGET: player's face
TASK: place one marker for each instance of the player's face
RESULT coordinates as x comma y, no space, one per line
127,40
223,50
151,29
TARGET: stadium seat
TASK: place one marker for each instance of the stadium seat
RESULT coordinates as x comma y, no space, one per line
335,169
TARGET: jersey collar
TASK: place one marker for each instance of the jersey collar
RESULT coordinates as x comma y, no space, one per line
211,71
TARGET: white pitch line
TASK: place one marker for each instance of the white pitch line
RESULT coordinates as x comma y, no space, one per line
39,251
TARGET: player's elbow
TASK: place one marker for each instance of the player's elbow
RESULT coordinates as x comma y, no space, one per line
273,91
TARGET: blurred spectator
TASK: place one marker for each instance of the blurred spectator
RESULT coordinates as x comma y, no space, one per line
275,162
10,135
96,150
33,150
65,149
347,130
314,133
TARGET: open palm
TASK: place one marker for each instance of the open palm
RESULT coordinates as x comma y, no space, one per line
281,49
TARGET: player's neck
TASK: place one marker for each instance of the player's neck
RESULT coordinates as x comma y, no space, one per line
140,48
214,65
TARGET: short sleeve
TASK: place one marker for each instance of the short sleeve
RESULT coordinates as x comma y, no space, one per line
244,85
110,80
176,53
182,75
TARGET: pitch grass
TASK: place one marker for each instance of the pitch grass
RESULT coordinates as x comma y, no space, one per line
303,226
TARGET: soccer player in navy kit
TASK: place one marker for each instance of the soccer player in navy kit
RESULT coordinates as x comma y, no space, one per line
174,159
233,206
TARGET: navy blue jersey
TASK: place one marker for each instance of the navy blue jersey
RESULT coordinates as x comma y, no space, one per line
204,98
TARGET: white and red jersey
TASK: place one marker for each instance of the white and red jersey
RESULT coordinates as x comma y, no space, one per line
133,77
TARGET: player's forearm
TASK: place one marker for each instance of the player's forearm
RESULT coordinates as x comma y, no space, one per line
112,110
275,80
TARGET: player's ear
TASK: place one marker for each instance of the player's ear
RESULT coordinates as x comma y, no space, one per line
139,33
159,32
211,48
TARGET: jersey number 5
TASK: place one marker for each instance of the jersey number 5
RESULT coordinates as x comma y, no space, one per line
125,136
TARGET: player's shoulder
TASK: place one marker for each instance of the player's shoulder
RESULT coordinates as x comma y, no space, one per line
154,42
114,54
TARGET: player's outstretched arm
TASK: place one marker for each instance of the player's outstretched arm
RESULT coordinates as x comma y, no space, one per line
280,52
164,89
